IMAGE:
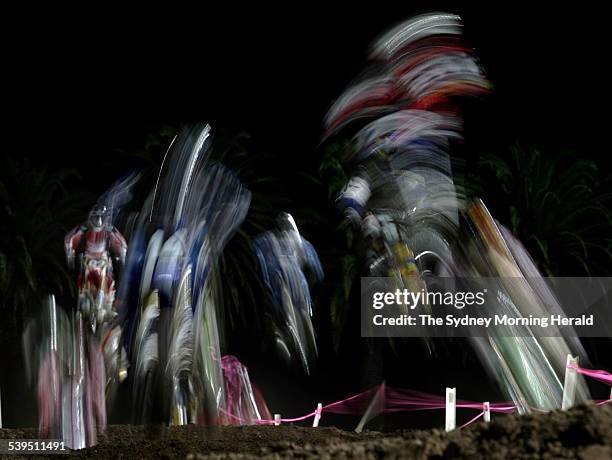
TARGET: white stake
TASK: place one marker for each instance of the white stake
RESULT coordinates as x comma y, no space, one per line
486,410
610,400
317,417
0,409
451,407
371,409
569,385
277,419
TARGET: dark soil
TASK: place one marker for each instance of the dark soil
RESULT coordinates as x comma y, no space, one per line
584,433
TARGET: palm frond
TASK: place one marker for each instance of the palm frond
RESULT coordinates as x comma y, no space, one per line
37,210
557,203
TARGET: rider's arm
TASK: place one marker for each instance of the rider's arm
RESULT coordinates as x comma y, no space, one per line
72,242
118,245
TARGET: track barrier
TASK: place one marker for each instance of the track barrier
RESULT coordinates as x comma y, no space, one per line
385,399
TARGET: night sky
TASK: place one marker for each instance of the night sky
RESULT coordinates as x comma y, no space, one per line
80,88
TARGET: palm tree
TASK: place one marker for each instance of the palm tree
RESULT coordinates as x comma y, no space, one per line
341,258
238,262
557,205
36,212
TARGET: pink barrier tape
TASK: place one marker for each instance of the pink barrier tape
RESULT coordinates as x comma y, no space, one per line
298,419
400,400
403,400
471,421
603,401
602,376
352,405
393,400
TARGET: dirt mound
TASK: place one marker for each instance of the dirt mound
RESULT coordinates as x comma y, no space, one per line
584,432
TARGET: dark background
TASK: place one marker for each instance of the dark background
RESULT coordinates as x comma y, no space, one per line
78,86
82,86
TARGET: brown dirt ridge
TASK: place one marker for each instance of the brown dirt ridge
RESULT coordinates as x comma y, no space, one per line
584,432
